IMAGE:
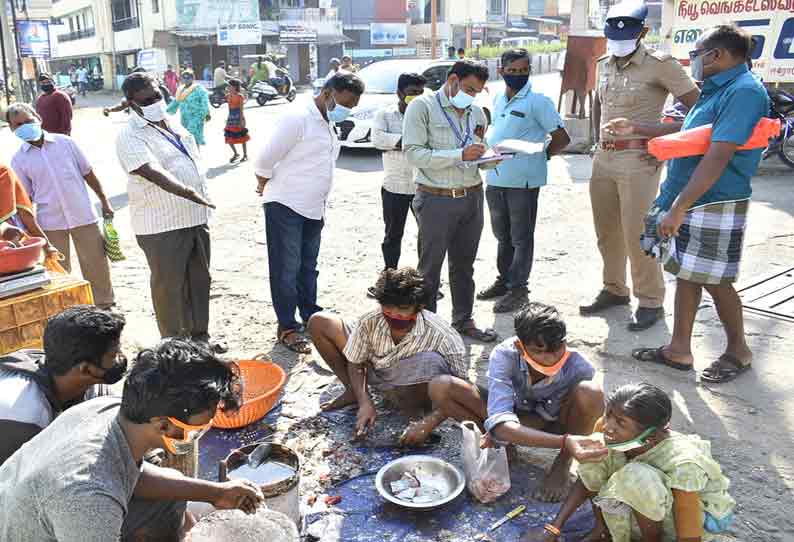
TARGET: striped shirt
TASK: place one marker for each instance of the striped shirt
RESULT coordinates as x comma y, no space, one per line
433,147
387,131
371,342
152,209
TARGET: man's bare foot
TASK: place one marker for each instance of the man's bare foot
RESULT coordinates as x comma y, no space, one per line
678,357
418,432
346,399
557,483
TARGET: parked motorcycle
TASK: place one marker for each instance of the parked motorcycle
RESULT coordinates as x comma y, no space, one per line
95,82
783,109
280,86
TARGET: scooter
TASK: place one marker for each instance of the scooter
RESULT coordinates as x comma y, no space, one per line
265,91
218,96
95,82
782,107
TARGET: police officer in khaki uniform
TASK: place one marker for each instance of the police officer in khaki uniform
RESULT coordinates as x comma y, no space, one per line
633,83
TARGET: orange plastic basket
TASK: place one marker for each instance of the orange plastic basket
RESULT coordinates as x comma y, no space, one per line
262,382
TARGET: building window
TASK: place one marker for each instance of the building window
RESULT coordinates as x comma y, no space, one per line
124,15
496,7
155,6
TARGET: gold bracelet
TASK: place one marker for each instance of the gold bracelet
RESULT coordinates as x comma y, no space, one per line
551,529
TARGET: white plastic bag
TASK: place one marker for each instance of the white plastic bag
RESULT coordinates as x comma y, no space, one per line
487,471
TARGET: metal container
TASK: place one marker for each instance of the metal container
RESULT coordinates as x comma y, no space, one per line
281,496
451,476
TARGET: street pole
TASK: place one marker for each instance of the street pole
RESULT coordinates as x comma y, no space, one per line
6,82
22,90
433,28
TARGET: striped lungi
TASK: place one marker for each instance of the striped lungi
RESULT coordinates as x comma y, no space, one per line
708,248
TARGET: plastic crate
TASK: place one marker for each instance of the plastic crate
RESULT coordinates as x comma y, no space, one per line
24,317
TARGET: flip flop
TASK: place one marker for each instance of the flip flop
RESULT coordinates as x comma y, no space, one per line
725,369
299,343
656,355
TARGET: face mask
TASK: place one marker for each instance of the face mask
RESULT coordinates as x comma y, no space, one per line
399,322
409,99
461,100
621,48
29,132
516,82
547,370
184,445
154,112
338,113
115,373
635,443
698,66
47,88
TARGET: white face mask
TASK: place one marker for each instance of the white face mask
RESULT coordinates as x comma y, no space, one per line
154,112
621,48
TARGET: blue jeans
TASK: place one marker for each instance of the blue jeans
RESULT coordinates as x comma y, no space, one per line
293,243
513,215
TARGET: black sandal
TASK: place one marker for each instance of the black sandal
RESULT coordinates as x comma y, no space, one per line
299,343
469,329
656,355
725,369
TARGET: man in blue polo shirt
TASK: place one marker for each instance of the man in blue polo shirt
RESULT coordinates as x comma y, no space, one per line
514,186
697,223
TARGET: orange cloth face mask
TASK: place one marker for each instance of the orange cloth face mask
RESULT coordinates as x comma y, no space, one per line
547,370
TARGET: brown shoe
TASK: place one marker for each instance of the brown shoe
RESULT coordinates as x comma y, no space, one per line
603,301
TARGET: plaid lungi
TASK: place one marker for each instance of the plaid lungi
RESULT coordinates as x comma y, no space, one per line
417,369
708,248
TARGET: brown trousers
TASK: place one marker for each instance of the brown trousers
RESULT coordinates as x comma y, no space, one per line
179,263
90,247
622,188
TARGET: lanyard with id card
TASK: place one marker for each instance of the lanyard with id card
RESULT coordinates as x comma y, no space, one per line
174,140
463,140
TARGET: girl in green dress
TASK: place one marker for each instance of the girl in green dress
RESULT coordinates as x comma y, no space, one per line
193,103
654,485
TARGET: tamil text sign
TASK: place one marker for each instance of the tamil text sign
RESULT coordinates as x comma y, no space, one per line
388,33
34,39
239,34
207,14
771,22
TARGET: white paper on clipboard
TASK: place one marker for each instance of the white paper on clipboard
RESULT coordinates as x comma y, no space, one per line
489,157
523,147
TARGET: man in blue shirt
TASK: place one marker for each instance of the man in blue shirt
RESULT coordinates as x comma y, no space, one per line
514,186
697,223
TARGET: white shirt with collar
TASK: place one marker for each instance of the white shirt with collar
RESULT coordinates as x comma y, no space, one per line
299,159
152,209
387,131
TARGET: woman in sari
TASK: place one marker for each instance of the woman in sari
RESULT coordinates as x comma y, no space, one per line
16,211
193,103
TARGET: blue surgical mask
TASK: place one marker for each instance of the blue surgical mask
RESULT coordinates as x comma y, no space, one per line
339,113
461,100
29,132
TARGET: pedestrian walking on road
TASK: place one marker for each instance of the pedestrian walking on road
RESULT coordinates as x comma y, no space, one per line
193,103
294,172
398,188
236,132
82,80
169,208
56,173
442,132
171,80
699,218
634,83
54,107
514,187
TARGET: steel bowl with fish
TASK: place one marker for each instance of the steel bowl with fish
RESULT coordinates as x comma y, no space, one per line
419,482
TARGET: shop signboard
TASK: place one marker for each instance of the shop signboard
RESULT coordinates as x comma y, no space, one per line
770,22
388,33
34,39
239,34
295,34
207,14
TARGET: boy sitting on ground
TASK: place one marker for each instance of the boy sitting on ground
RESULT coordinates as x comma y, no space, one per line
539,394
397,348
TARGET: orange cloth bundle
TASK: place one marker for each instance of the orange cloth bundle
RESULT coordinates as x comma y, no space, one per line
696,141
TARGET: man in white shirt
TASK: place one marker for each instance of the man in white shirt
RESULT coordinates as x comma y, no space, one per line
220,75
169,209
398,188
294,172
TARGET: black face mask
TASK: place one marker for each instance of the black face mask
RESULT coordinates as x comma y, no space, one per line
115,373
516,82
48,88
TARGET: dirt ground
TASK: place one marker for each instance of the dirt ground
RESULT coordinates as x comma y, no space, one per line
749,421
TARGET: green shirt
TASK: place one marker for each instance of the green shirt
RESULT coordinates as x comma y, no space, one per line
432,146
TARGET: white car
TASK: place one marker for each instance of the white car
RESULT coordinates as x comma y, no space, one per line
380,79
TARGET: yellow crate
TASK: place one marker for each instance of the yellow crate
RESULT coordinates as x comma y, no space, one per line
23,317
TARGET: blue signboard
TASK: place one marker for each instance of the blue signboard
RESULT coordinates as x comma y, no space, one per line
34,38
